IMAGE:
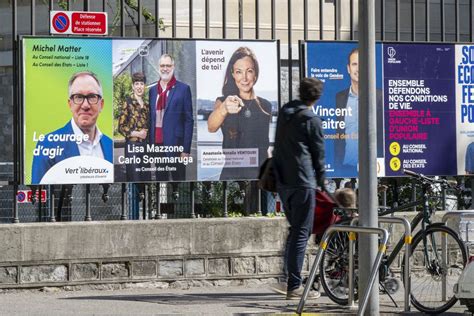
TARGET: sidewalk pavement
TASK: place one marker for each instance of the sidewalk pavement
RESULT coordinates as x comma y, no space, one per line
143,299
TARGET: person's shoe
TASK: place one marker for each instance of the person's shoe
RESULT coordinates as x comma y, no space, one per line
279,288
298,293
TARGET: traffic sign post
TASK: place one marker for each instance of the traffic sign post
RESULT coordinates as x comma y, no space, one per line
78,22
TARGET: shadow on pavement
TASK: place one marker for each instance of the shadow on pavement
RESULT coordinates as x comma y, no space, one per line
267,303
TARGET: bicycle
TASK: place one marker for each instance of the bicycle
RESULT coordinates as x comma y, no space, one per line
426,262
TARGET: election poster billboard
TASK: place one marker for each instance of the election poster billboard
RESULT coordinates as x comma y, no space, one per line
154,137
420,107
67,98
337,65
237,102
103,110
425,99
464,63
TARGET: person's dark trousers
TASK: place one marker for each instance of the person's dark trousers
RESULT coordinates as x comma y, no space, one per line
299,210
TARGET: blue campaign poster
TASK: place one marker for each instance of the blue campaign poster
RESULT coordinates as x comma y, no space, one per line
420,106
336,64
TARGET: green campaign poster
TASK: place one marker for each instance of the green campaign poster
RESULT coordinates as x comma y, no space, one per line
67,98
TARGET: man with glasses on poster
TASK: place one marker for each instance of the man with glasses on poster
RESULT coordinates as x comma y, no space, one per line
81,135
171,122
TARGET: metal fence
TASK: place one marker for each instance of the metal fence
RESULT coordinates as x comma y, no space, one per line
138,201
289,21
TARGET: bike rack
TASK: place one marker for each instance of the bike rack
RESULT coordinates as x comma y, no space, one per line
408,239
323,245
444,254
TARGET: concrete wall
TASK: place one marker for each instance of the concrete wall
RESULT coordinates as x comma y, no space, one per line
57,254
78,253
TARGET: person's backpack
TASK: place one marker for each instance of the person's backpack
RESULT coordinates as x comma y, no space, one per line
266,176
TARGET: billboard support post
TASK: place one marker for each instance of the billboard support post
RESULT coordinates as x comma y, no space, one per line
443,198
52,218
193,213
124,198
226,214
158,202
88,217
367,149
472,188
259,201
16,117
48,205
143,198
290,57
40,206
15,204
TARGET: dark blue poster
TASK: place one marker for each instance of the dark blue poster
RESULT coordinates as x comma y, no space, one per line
337,65
419,93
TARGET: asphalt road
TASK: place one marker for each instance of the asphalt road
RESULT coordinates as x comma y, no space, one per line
251,299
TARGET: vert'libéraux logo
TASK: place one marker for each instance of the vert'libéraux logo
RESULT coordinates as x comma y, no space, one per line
391,52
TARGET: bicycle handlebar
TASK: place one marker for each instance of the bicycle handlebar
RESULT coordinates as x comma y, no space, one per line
411,173
430,180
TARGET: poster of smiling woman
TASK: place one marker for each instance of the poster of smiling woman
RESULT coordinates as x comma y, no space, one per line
67,98
237,101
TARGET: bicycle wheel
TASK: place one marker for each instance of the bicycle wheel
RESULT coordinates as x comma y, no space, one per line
428,268
334,269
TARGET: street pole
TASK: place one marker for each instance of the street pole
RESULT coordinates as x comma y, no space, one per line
367,150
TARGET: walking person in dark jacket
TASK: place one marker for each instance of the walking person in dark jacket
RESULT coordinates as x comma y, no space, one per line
298,159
